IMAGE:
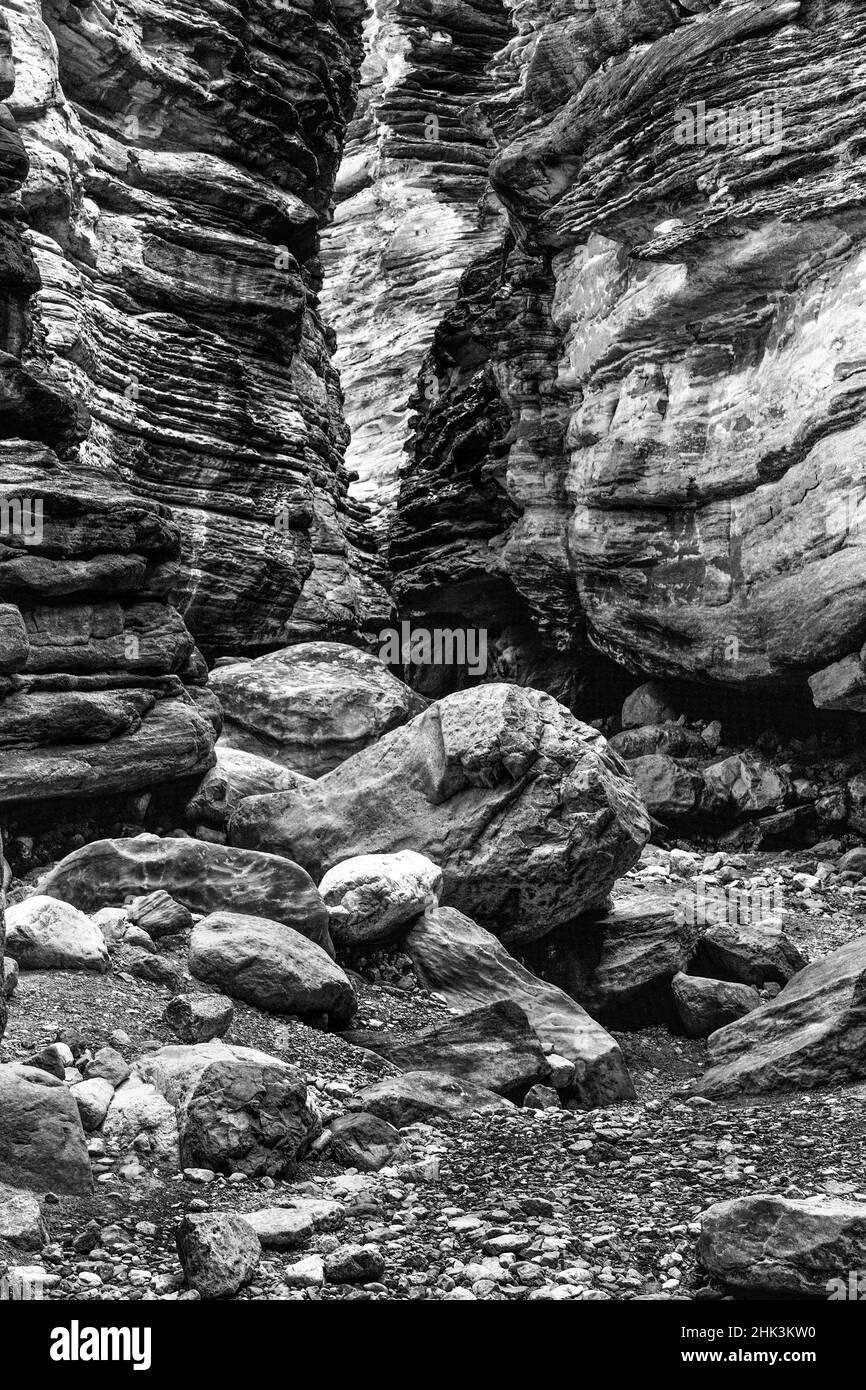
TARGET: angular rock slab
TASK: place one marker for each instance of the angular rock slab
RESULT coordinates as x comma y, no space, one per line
619,966
529,814
311,706
812,1034
770,1244
203,877
237,775
416,1097
752,953
372,896
238,1110
44,933
706,1005
270,966
42,1143
465,964
494,1047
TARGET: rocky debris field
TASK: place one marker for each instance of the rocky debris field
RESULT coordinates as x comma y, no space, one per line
517,1202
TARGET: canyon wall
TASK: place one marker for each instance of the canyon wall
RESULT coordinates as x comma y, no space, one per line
647,417
182,158
102,691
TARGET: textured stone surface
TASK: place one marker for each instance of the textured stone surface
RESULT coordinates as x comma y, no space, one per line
203,877
364,1141
180,166
493,1046
219,1252
526,810
812,1034
770,1244
421,1096
96,657
42,1142
705,1005
197,1018
370,897
269,965
21,1222
311,706
238,1110
656,377
44,933
467,966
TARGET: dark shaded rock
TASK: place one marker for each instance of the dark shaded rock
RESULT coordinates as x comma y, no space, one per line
812,1034
493,1047
651,703
527,812
197,1018
362,1140
42,1143
420,1096
159,915
203,877
541,1098
619,966
767,1244
219,1252
705,1005
670,792
459,960
269,965
50,1060
752,953
675,740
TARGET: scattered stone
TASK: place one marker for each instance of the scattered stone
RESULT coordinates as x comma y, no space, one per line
541,1098
107,1063
93,1099
21,1222
52,1059
281,1228
371,896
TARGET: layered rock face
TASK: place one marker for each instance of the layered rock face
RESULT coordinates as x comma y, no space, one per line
414,210
101,688
675,344
181,159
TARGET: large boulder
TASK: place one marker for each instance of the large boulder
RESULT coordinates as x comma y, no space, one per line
311,706
705,1005
42,1143
203,877
219,1252
269,965
494,1047
620,965
767,1244
237,775
529,814
238,1110
414,1097
469,967
754,953
43,933
812,1034
372,896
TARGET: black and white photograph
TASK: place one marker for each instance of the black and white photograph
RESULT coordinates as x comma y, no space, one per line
432,673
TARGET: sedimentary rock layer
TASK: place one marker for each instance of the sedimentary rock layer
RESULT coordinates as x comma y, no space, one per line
677,343
181,160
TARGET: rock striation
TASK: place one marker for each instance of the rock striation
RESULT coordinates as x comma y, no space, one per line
180,166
